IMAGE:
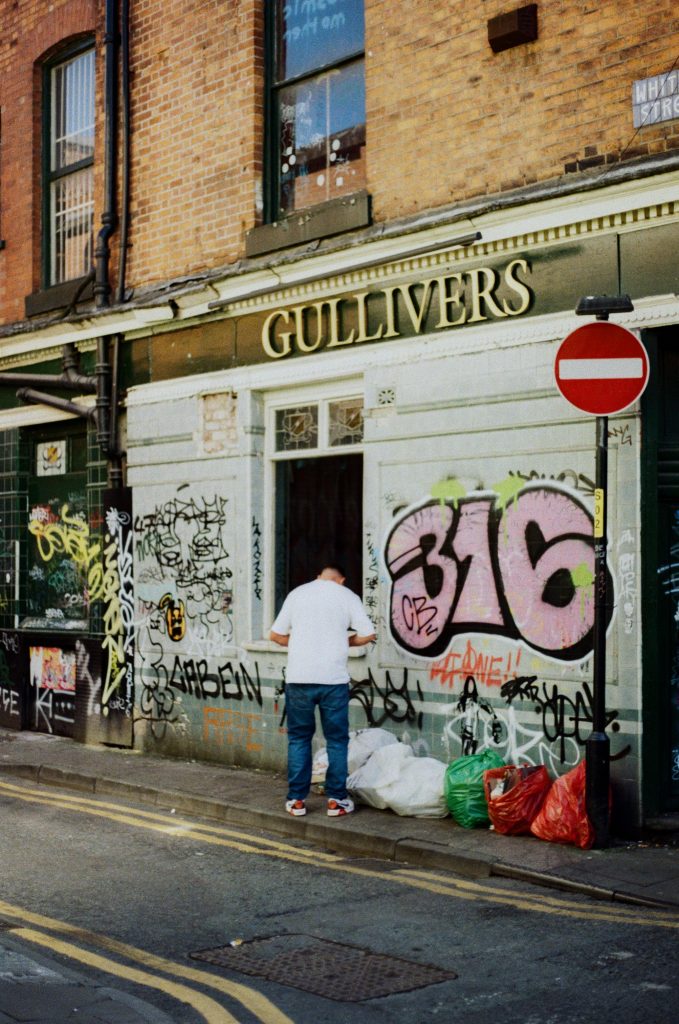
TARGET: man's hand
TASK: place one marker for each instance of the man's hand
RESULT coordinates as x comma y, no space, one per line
361,641
279,638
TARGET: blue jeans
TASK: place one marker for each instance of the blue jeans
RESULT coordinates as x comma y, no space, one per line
300,704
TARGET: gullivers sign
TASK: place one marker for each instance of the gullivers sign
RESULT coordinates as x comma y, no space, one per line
433,304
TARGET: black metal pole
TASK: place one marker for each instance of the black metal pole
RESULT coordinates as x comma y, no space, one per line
597,747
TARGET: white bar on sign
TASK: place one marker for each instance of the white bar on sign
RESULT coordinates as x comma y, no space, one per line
600,369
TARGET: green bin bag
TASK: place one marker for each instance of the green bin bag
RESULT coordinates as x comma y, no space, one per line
463,786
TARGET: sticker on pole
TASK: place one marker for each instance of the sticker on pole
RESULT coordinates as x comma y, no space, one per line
601,368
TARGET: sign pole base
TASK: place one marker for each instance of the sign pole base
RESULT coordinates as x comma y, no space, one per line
597,754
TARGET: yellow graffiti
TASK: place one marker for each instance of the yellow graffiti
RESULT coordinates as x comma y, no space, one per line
175,617
583,579
70,536
449,490
113,627
508,491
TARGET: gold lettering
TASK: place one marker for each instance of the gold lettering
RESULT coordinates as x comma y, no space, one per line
446,300
481,285
284,336
517,286
483,293
417,316
335,340
301,322
391,331
363,335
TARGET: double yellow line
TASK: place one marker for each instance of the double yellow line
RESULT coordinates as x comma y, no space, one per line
242,842
212,1011
146,963
438,884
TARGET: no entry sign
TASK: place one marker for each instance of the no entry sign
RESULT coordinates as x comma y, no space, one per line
601,368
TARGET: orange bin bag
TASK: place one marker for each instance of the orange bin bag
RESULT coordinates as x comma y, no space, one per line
523,791
563,816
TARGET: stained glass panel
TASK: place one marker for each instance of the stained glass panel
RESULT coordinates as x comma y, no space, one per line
345,422
297,428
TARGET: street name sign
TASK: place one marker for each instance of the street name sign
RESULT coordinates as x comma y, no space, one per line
601,368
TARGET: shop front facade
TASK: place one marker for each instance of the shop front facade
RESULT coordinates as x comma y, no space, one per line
283,283
400,414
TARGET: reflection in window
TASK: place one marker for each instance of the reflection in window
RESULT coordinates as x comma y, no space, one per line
70,170
319,102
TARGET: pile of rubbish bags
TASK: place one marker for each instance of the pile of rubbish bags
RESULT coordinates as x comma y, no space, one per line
478,790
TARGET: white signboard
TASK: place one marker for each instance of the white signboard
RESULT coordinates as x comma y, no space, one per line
656,99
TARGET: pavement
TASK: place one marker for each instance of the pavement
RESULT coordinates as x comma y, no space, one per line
642,872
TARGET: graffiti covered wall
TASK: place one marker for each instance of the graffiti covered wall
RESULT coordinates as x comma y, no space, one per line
518,563
88,580
478,561
184,548
487,599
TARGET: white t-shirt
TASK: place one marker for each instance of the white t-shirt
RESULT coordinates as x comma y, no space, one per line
317,616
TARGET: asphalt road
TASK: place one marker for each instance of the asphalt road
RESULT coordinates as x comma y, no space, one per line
127,895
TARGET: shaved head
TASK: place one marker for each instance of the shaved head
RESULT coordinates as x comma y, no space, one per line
332,572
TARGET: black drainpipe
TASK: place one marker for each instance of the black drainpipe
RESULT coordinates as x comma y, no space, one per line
70,378
115,467
125,147
102,251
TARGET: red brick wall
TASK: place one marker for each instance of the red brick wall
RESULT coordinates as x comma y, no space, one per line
447,118
197,117
28,33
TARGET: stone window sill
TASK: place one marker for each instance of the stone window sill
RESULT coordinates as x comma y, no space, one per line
348,213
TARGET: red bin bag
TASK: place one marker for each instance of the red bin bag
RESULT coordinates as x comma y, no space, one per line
515,795
563,816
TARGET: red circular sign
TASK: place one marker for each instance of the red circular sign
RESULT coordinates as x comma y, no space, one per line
601,368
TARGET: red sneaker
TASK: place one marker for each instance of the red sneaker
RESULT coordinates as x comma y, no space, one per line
295,807
338,808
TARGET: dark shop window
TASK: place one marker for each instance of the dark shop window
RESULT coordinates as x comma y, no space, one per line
319,519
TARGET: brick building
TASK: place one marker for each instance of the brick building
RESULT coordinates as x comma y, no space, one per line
285,281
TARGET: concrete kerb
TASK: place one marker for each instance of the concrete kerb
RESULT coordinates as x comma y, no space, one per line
331,835
596,892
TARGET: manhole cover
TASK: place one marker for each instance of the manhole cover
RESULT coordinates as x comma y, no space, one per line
335,970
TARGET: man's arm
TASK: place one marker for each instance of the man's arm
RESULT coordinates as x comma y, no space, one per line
279,638
361,641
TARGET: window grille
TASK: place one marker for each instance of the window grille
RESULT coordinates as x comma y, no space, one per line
70,169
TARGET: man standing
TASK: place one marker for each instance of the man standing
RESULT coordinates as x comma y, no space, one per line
313,624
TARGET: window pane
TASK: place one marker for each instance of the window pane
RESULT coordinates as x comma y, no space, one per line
322,137
297,428
73,111
314,33
345,423
72,204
